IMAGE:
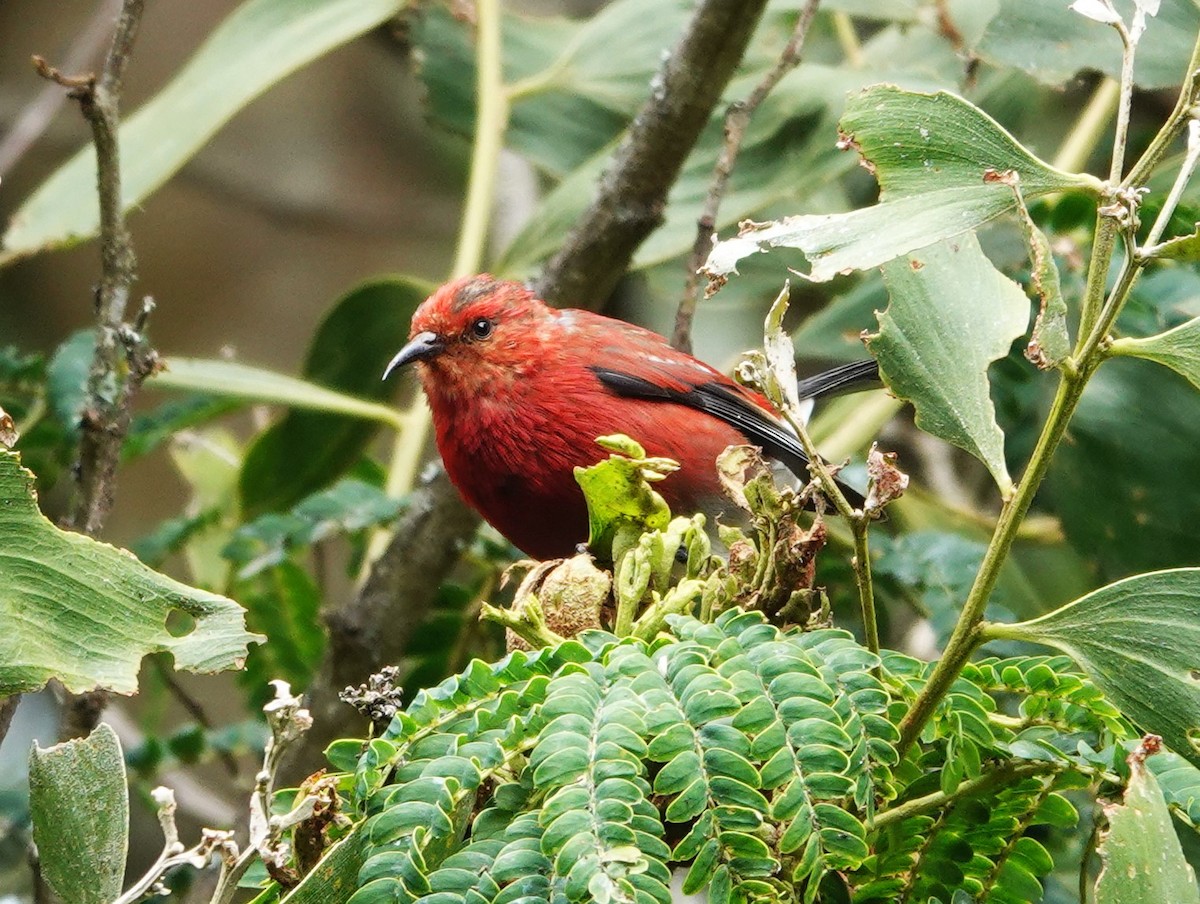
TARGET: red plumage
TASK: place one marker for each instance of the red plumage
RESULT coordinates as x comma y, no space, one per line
520,391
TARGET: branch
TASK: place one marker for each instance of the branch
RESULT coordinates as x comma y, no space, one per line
8,709
633,192
938,800
32,121
737,118
122,358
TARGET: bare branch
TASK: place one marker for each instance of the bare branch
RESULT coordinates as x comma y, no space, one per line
629,203
122,358
8,709
737,118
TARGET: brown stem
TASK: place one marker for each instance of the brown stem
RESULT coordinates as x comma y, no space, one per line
122,358
629,201
737,118
114,372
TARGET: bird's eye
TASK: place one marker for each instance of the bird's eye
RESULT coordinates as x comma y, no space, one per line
482,328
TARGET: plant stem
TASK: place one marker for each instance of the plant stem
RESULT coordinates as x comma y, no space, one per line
939,799
737,119
1073,155
654,619
866,588
1103,243
491,121
1124,102
529,624
966,635
1191,158
847,37
1173,126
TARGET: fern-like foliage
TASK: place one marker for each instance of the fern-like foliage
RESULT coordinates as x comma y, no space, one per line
758,764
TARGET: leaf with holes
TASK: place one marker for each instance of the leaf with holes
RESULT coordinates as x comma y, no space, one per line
86,613
936,157
951,315
1139,641
1143,860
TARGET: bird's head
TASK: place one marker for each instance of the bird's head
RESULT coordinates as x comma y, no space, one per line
474,335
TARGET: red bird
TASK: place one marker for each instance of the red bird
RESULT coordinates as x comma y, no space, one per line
520,391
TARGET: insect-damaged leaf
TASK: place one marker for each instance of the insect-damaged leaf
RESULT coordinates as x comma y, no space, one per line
951,315
935,156
86,613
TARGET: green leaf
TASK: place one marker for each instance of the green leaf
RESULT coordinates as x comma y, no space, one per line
1180,248
1053,43
349,505
67,376
335,876
80,808
1178,349
620,500
348,353
255,384
936,157
1139,641
1143,860
86,613
1135,434
261,42
951,315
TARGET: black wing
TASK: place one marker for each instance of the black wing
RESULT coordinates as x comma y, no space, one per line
726,405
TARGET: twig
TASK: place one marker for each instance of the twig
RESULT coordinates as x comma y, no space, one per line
1129,40
288,722
629,202
122,358
173,853
1190,160
938,800
32,121
737,118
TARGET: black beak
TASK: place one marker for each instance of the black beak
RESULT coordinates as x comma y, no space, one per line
422,345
